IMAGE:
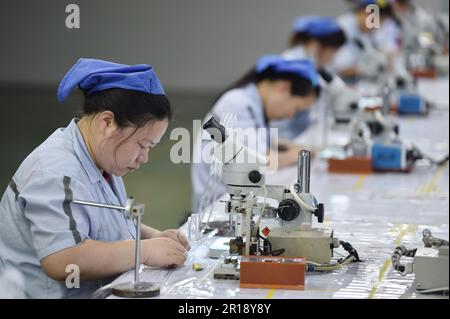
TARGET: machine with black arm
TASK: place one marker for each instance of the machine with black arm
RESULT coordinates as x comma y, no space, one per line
375,144
397,81
260,229
342,99
425,56
429,264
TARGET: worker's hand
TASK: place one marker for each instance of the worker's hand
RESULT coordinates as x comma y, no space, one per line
290,154
287,154
163,252
177,236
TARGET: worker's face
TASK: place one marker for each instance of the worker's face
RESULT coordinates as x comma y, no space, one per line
281,104
325,55
127,148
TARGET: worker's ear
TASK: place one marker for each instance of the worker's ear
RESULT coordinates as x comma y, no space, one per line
107,123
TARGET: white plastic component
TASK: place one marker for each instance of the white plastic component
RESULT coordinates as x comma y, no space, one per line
442,63
239,225
431,269
227,271
238,161
341,98
314,245
269,223
409,267
219,248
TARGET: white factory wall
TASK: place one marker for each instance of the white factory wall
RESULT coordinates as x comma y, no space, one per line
193,44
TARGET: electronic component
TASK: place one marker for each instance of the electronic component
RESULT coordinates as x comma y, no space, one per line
429,264
197,267
229,269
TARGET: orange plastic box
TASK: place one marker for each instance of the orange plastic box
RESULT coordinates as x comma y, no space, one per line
360,165
270,272
427,73
350,165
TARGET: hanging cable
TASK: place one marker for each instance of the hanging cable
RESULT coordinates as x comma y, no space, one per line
416,154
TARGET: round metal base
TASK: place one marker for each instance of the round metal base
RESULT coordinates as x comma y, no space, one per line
136,290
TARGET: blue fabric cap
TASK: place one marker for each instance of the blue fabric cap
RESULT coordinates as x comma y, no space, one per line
316,26
303,68
97,75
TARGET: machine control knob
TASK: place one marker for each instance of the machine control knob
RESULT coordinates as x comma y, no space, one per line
288,210
353,106
376,128
320,213
254,177
396,129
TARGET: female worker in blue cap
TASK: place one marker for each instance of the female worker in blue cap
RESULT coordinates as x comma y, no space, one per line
125,115
276,88
317,38
363,38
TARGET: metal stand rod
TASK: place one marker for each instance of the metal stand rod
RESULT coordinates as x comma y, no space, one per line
304,171
133,289
248,230
87,203
325,121
137,255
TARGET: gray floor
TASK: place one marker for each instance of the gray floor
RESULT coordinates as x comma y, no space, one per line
30,114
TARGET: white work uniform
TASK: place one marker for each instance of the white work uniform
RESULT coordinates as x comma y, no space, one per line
245,103
39,219
385,39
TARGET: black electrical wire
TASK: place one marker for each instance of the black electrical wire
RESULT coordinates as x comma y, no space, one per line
278,252
351,251
270,252
397,255
416,154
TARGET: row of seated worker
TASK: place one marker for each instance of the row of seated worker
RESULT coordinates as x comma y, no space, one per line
286,91
127,113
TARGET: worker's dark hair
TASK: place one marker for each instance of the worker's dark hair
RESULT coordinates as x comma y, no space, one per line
300,86
334,40
403,2
130,107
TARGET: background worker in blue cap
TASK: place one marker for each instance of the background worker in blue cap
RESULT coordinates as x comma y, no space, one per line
317,38
276,88
126,113
369,48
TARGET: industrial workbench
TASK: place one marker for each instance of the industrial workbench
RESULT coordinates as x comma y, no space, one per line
375,213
